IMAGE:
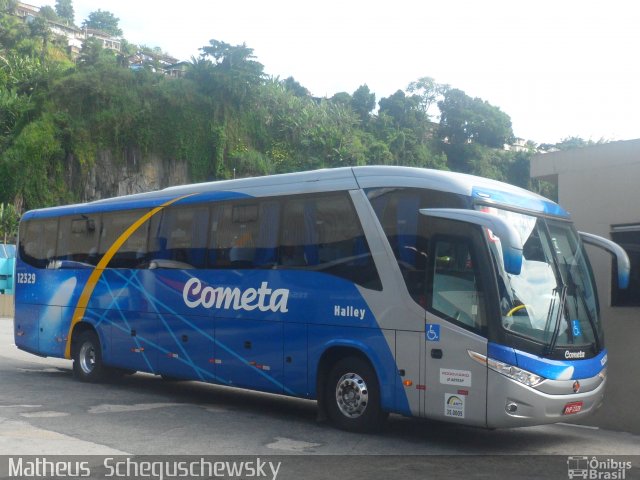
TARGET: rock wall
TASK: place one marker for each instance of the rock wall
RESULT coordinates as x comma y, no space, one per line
110,177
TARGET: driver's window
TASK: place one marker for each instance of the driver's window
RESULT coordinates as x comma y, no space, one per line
455,290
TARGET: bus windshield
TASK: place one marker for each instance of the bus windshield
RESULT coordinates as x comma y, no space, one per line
553,300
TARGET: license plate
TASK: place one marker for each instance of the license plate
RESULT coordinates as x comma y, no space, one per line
571,408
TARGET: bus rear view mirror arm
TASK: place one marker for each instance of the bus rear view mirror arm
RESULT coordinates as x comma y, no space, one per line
622,259
509,237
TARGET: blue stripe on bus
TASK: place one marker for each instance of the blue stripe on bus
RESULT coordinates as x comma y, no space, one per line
529,202
547,368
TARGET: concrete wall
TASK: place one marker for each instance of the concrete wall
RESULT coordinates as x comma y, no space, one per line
6,306
600,187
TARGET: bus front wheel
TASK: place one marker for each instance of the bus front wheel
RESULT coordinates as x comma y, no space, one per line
353,396
87,359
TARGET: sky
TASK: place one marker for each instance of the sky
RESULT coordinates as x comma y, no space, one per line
558,68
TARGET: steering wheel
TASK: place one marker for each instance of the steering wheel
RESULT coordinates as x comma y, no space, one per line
518,308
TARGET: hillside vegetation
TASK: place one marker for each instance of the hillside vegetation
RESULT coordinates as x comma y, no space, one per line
224,117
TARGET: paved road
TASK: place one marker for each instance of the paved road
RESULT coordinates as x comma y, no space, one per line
44,411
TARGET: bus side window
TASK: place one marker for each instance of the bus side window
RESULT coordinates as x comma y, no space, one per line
38,241
455,292
292,236
323,233
244,234
233,237
179,234
267,235
397,210
78,239
133,252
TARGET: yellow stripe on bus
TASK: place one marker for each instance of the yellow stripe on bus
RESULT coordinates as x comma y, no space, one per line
85,296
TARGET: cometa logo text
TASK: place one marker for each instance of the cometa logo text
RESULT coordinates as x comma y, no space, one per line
263,298
570,354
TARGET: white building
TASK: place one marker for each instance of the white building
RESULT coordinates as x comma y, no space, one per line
600,186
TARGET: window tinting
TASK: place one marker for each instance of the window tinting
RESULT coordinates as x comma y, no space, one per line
38,242
455,293
323,233
244,234
179,236
78,240
133,253
397,210
628,237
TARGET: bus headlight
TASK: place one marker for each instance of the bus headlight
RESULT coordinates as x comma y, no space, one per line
518,374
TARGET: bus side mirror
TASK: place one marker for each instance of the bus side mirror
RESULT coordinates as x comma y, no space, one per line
622,259
509,237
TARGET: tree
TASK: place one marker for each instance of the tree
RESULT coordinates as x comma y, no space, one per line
8,222
40,28
404,110
293,86
570,143
49,13
64,9
342,98
238,60
104,21
8,5
93,53
472,120
428,92
363,101
13,31
232,77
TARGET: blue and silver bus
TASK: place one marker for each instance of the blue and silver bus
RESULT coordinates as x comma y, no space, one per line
372,290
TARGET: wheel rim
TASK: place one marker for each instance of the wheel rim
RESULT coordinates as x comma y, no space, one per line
352,395
87,358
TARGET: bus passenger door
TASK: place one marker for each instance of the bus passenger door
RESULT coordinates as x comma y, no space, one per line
456,322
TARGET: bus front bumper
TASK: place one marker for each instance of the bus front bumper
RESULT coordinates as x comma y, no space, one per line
513,404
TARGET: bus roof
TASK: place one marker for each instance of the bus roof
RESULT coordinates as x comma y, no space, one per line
345,178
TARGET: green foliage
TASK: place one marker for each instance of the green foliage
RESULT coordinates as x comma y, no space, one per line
229,74
33,167
12,32
12,108
427,92
104,21
9,219
295,87
308,134
64,9
224,119
363,101
47,12
94,54
471,120
405,111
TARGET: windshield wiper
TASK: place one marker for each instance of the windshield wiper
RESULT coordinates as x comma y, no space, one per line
578,293
556,328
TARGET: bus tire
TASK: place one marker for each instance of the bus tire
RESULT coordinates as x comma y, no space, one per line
353,396
87,359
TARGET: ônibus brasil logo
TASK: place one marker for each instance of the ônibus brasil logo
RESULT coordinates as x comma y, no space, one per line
263,298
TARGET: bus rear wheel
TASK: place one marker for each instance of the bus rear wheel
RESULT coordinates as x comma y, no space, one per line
353,396
87,359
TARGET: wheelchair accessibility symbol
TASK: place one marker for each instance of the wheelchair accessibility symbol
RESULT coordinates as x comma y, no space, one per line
575,324
432,332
